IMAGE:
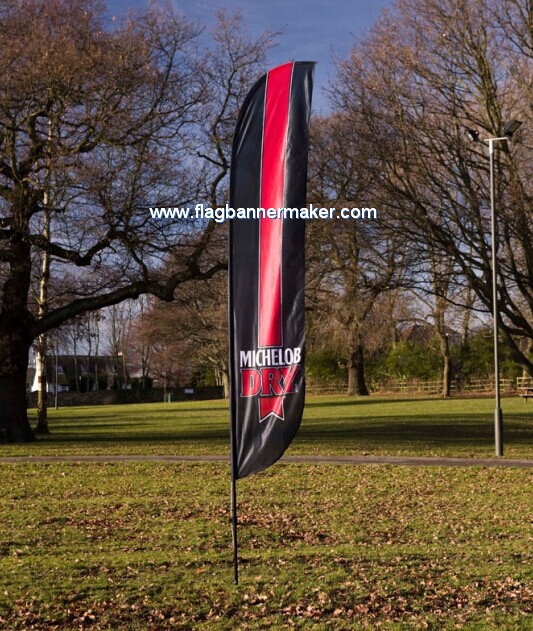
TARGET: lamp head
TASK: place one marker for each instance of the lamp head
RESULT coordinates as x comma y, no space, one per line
510,127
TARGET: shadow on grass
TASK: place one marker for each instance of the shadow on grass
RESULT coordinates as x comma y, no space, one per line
141,437
403,430
331,425
355,401
317,434
163,411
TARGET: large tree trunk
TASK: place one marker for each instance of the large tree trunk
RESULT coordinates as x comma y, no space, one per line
14,424
15,341
356,372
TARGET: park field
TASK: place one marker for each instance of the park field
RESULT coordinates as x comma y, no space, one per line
147,545
331,426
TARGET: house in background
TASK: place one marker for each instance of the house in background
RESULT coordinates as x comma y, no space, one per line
424,333
83,373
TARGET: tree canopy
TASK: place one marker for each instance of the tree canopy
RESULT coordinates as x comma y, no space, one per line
99,121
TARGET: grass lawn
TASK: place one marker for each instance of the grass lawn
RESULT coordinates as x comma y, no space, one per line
147,545
331,425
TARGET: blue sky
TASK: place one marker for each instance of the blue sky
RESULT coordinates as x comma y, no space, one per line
313,30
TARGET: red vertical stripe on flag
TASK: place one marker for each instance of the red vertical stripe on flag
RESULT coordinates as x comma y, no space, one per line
275,124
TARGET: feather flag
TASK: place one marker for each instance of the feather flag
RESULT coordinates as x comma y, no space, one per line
268,171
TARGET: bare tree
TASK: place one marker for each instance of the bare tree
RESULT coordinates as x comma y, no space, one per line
42,345
429,70
120,319
352,263
232,61
107,112
195,327
140,348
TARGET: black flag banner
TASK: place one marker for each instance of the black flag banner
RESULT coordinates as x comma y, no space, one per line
266,274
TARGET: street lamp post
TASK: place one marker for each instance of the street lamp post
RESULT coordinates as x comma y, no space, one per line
498,416
508,130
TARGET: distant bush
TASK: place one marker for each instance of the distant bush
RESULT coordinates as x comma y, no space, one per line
477,359
325,364
408,360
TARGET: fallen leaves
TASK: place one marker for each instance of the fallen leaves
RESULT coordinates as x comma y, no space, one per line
340,547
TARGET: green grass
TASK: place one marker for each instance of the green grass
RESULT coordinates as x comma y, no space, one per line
140,546
331,425
147,546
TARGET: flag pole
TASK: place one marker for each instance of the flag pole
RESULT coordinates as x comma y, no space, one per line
234,475
233,417
234,529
